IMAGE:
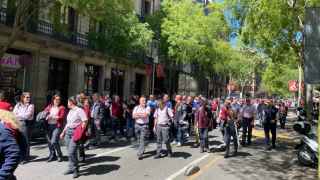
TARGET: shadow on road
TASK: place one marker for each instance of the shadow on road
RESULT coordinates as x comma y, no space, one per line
101,159
183,155
99,169
279,164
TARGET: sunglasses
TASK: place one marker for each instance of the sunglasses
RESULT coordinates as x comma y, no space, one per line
27,97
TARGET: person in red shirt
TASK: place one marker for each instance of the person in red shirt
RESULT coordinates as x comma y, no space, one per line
203,124
224,115
3,104
55,120
116,113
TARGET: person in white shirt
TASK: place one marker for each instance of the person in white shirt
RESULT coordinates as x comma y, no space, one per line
76,117
141,115
24,112
163,116
247,114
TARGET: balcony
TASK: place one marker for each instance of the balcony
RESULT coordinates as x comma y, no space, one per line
47,29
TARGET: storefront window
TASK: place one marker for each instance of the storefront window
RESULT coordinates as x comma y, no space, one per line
13,73
91,78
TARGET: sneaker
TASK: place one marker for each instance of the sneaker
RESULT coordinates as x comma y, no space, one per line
140,158
179,144
201,150
157,157
68,172
174,142
75,174
226,156
60,159
54,158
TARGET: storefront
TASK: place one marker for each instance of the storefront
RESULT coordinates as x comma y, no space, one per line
13,72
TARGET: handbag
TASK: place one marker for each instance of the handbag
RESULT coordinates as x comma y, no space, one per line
79,134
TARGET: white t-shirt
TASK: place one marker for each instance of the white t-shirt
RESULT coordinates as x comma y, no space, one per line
163,116
75,117
53,114
141,109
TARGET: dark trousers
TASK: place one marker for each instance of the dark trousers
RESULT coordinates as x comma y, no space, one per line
141,131
247,130
72,148
230,131
270,127
25,130
151,125
204,138
181,132
117,125
163,137
53,141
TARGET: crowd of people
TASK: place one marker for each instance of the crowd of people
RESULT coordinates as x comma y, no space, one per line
139,119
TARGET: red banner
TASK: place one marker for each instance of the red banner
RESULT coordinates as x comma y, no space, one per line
149,69
160,71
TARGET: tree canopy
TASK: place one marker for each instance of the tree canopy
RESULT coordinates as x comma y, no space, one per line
192,35
120,32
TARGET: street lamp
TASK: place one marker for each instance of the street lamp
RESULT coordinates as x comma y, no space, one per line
153,53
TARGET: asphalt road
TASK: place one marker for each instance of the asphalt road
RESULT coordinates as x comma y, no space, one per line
118,161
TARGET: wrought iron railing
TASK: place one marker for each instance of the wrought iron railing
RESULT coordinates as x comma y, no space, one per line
45,28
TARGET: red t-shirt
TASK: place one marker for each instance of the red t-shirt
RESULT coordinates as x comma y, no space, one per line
5,106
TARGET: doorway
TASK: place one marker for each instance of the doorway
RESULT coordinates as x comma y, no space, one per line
58,79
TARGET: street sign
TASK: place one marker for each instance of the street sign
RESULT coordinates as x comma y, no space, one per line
312,46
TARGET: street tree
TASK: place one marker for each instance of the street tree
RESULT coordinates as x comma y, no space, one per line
274,26
122,32
192,35
23,11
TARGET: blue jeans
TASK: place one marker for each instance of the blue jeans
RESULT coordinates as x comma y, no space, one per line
182,129
72,148
130,127
53,137
204,140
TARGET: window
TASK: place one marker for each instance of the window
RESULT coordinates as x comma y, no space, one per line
83,24
4,4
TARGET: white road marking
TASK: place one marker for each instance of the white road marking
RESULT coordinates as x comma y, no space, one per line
112,151
121,149
173,176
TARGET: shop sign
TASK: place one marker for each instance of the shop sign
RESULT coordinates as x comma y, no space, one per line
15,61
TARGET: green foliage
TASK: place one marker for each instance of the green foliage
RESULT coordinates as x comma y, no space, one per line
276,76
120,31
193,36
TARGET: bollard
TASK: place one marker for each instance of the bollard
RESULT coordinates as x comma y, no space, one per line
191,170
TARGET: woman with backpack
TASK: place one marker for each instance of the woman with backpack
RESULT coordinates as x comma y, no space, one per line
163,116
55,121
24,112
